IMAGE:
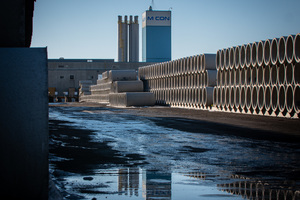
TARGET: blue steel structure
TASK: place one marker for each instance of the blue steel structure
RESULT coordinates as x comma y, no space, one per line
156,34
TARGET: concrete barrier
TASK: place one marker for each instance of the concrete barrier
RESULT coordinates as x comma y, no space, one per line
127,86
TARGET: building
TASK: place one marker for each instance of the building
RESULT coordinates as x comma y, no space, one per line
156,33
64,74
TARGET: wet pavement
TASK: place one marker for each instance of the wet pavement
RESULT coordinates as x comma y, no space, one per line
109,153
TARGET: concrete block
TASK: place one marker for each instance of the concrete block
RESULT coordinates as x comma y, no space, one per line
24,123
127,86
122,75
131,99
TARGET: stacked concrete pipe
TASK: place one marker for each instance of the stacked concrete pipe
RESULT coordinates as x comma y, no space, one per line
187,82
266,77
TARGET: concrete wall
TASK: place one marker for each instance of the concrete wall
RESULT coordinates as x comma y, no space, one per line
59,71
24,123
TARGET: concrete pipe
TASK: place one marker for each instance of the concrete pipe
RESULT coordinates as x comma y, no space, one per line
197,63
281,74
281,99
296,74
253,75
211,78
208,96
289,49
200,93
237,93
243,76
215,96
188,65
297,48
219,75
248,55
267,99
274,51
281,50
175,67
260,75
223,78
243,98
254,98
208,62
232,98
289,74
231,58
273,75
237,77
297,99
254,54
237,57
267,51
261,98
223,96
248,77
267,76
227,61
227,97
232,77
243,56
289,99
219,97
248,98
218,59
260,53
222,59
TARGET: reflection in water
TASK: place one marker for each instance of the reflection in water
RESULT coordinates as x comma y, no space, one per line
156,185
128,181
265,190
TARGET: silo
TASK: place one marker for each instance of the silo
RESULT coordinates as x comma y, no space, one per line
122,41
133,39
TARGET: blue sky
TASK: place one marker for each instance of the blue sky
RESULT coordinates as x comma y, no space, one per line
89,28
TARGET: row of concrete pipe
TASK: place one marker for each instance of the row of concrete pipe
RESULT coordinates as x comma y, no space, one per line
256,78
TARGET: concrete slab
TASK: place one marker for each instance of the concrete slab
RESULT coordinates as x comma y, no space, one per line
127,86
131,99
24,123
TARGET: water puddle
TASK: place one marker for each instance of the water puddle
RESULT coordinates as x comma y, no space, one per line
104,153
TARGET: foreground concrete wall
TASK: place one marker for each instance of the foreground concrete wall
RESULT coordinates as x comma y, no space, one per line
24,123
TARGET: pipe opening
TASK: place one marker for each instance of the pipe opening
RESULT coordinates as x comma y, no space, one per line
248,76
267,52
248,97
267,98
243,97
274,97
289,49
231,57
266,72
237,57
237,76
289,98
232,99
289,74
260,76
222,59
254,76
297,48
227,59
237,96
232,75
254,54
242,56
260,51
223,79
218,58
254,97
274,50
227,96
261,97
243,76
273,74
248,55
219,101
281,98
223,96
280,74
215,98
281,50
